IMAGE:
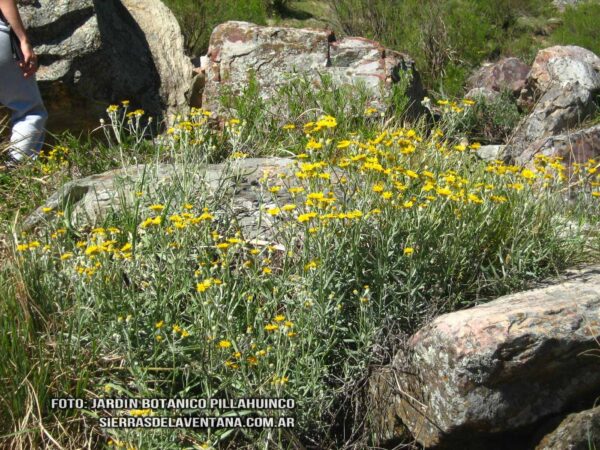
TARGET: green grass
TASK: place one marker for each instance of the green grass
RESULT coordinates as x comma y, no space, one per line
198,18
191,307
579,27
449,38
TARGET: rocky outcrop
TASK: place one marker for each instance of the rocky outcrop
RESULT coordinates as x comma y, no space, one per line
96,52
562,65
578,146
560,90
579,431
90,199
476,376
272,55
506,74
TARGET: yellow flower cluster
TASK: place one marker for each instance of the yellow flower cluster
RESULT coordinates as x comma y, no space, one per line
204,285
324,122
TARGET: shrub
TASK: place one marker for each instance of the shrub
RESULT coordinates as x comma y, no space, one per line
169,298
492,120
276,6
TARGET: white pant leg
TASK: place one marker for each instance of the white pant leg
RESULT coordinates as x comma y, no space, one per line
22,96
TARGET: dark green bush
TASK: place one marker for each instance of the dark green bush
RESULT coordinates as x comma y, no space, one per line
491,121
276,6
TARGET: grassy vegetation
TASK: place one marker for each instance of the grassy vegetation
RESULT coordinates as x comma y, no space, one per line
579,27
448,38
491,120
198,18
388,223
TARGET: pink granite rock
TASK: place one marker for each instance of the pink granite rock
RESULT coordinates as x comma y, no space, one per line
508,73
473,375
274,54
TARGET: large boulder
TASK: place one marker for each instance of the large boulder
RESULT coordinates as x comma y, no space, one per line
239,50
473,377
96,52
165,42
560,90
506,74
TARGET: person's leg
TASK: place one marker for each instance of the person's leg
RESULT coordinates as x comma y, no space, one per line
22,96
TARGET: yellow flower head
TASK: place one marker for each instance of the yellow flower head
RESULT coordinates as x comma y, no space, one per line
156,207
224,344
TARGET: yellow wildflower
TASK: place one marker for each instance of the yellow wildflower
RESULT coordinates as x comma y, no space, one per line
306,217
224,344
156,207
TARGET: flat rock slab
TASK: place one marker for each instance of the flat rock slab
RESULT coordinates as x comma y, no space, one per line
89,200
496,368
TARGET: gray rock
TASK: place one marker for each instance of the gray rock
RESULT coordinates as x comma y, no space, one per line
273,54
165,41
578,431
96,52
89,200
560,90
562,4
491,152
482,92
475,374
562,65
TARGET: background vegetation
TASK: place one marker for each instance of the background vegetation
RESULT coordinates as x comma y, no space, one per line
198,17
579,27
447,38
